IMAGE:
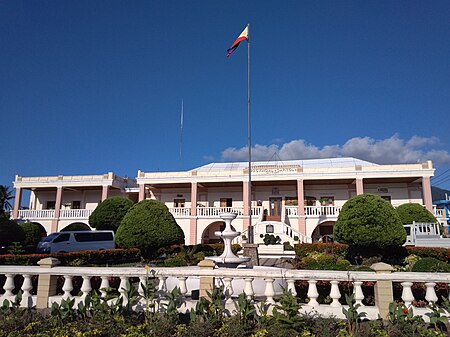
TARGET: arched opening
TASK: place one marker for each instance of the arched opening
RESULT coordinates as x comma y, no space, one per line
42,230
208,236
323,232
76,226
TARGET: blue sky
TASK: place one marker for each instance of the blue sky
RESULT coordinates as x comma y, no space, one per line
89,87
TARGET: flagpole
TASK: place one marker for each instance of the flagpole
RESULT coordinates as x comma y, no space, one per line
249,144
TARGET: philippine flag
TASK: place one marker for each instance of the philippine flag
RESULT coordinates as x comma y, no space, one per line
243,36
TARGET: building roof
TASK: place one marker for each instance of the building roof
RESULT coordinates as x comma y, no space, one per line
306,163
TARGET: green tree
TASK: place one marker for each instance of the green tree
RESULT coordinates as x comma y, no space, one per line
369,221
414,212
33,233
149,226
10,232
6,195
109,213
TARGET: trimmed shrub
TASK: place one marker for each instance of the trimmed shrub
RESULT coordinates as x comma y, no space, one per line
76,226
369,221
10,232
414,212
430,264
86,257
149,226
442,254
109,213
33,233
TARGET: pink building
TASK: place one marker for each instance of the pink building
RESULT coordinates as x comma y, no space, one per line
296,200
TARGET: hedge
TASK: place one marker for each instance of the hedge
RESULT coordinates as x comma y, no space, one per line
301,250
85,258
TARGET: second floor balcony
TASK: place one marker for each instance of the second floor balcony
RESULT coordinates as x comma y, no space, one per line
290,212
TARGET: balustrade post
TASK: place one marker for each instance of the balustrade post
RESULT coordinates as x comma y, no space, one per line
206,282
182,285
248,288
359,295
228,288
162,286
430,295
67,287
313,294
27,286
104,285
335,294
383,289
407,294
269,292
86,286
291,286
46,283
9,286
123,289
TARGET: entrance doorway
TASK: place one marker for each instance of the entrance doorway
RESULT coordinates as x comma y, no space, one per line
274,209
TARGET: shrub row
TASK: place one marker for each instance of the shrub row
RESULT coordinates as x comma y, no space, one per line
301,250
86,258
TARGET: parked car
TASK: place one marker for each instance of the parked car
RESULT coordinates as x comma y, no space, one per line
74,241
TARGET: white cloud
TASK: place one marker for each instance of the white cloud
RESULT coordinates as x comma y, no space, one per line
393,150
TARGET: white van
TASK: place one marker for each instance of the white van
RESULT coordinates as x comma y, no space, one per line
74,241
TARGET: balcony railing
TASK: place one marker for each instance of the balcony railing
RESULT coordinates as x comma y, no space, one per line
29,214
313,211
212,212
50,214
75,213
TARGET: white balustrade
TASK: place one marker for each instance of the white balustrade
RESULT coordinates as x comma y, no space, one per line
75,213
214,212
29,214
329,211
178,212
257,283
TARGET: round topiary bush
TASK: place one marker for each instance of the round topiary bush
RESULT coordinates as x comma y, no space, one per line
76,226
33,233
10,232
149,226
369,221
109,213
414,212
431,264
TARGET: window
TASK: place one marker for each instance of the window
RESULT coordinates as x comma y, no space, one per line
51,204
179,202
92,236
291,201
226,202
76,204
386,197
62,238
269,229
327,201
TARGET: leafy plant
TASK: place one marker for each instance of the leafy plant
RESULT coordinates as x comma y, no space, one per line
286,311
353,316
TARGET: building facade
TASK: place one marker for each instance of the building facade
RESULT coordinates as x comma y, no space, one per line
298,200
